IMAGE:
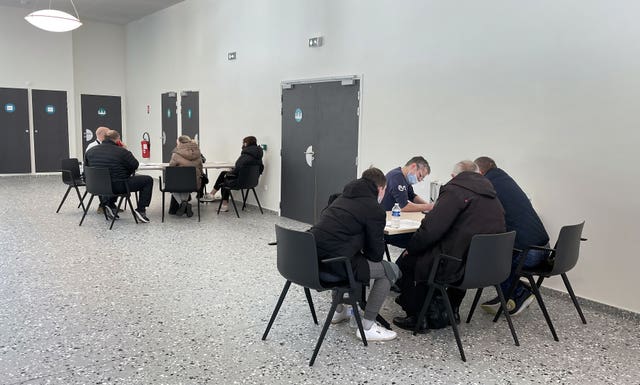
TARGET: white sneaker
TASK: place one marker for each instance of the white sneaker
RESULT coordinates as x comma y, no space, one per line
342,316
207,198
224,208
377,333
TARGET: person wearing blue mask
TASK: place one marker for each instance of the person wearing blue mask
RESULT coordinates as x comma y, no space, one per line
399,186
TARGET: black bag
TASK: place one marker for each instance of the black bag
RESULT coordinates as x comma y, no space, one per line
437,317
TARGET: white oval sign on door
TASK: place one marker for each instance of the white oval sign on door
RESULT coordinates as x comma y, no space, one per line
308,155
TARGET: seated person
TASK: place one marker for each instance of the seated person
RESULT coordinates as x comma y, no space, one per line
100,134
467,205
523,219
353,225
400,190
121,164
250,155
186,154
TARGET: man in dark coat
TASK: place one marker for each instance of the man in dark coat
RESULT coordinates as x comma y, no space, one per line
251,155
121,164
522,218
466,206
353,226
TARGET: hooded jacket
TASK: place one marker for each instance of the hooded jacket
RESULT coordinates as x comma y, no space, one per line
466,206
352,226
250,156
188,155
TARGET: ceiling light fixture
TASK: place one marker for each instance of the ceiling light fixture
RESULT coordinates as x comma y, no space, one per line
53,20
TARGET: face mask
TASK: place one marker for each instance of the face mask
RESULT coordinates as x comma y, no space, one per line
412,178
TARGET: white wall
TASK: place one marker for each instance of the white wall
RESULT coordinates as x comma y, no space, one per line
99,66
549,89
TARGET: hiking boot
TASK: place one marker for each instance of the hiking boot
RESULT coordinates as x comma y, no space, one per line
492,306
141,215
521,302
377,333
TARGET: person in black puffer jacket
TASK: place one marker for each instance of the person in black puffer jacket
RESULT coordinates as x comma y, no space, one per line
353,226
251,155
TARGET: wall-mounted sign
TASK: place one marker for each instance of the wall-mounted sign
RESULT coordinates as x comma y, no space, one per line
102,111
50,109
168,112
10,107
189,113
298,115
88,135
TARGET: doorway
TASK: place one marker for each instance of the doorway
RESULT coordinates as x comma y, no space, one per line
15,148
320,122
50,129
97,111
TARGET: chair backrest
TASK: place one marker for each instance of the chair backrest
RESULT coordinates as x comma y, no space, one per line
298,258
567,249
248,177
98,181
488,260
180,179
72,165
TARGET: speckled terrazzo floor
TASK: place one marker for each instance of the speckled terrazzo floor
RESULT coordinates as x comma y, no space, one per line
183,302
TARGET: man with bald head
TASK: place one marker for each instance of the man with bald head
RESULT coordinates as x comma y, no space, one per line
101,132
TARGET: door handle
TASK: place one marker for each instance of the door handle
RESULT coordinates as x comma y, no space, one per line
309,153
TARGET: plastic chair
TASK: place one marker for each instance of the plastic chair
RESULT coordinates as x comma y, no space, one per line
298,263
179,180
488,263
247,179
98,182
71,177
562,258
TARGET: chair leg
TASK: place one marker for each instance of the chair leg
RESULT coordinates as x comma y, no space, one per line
80,197
386,251
63,199
244,198
116,213
423,309
503,303
536,292
514,283
257,200
219,206
452,320
198,209
325,327
356,314
233,201
307,292
86,208
476,299
163,207
277,309
573,297
131,205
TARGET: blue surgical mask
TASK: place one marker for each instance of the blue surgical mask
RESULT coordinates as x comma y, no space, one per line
412,178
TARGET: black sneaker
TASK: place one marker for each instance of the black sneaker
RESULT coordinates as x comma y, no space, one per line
110,212
182,209
492,306
189,210
521,302
141,215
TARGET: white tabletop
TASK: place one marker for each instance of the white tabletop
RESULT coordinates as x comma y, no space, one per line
409,223
161,166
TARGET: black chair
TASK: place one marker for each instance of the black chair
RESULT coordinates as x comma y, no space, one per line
179,180
71,177
98,182
247,179
488,264
298,263
562,258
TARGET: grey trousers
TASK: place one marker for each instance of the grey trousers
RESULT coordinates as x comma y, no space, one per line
379,290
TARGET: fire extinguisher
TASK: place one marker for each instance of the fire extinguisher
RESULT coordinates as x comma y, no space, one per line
146,145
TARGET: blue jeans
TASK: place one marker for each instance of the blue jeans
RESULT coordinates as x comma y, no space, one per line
532,259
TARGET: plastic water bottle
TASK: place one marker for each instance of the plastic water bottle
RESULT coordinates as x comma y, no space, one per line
395,216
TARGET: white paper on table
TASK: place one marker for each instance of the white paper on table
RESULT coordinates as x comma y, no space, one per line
406,224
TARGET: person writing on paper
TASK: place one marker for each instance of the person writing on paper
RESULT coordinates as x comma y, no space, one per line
399,186
353,225
467,205
186,154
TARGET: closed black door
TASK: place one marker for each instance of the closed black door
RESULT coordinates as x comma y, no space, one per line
97,111
189,100
15,149
169,125
50,128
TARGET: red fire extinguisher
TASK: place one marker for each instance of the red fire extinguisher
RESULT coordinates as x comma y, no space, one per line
146,145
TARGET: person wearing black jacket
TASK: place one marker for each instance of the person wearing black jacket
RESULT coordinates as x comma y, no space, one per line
251,155
523,219
121,164
353,226
467,205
